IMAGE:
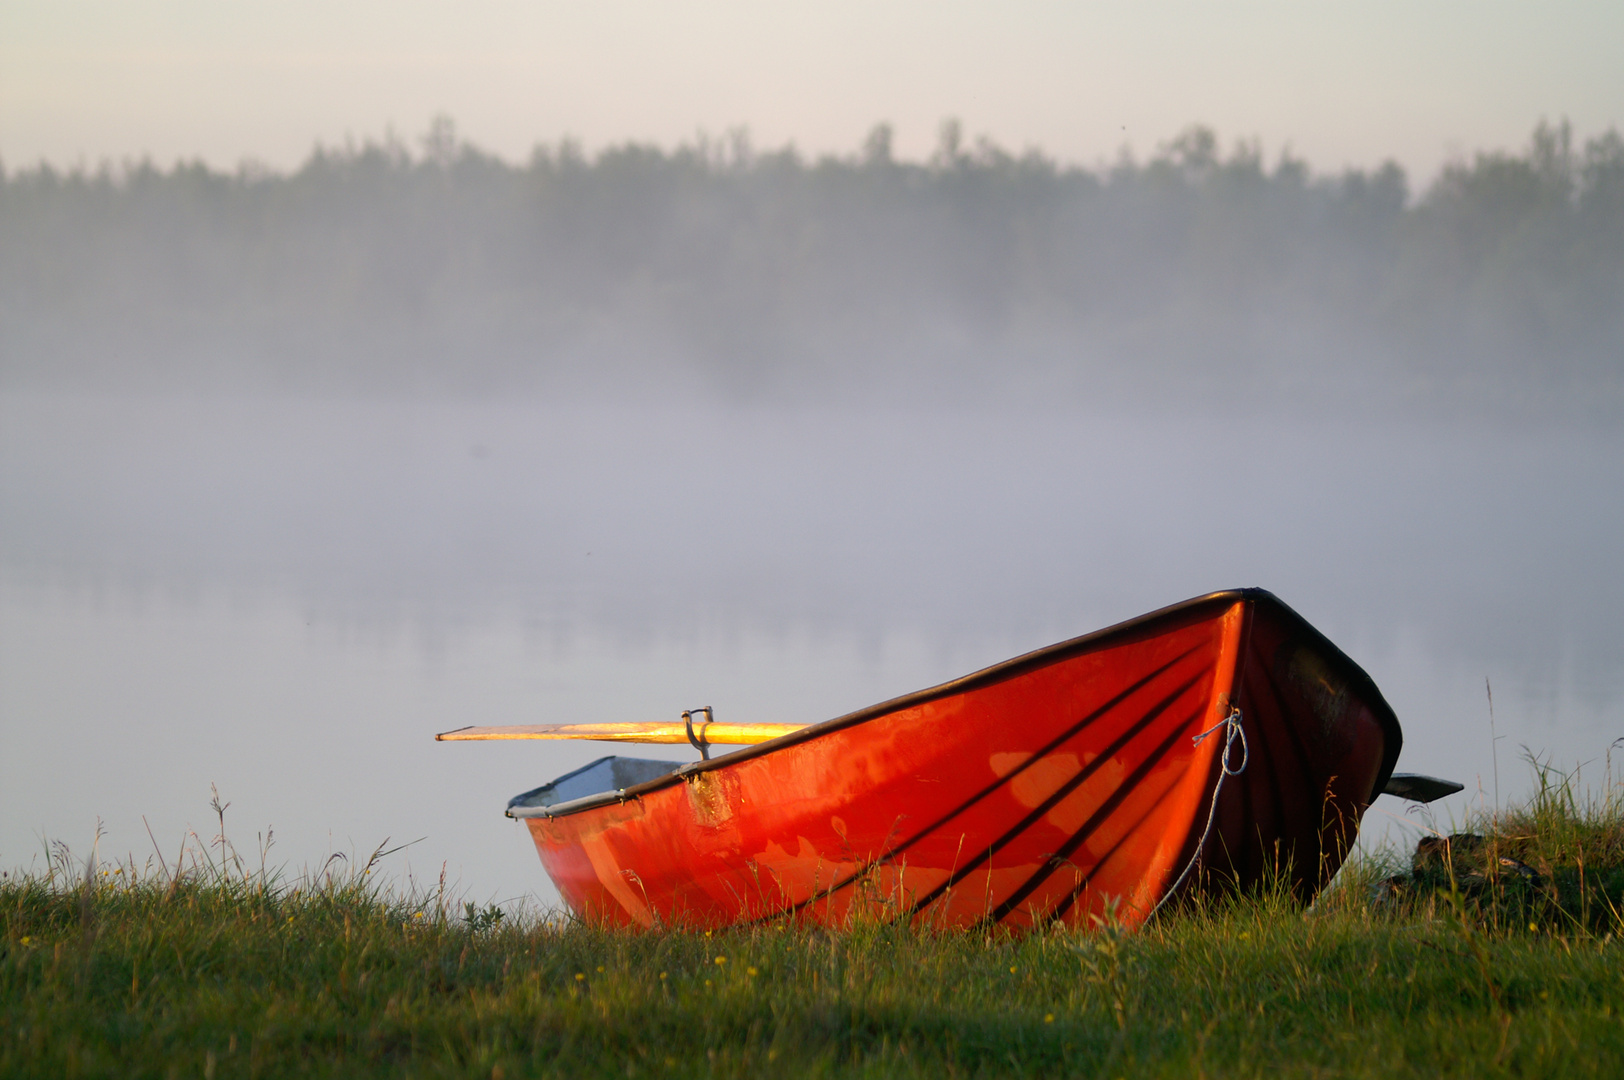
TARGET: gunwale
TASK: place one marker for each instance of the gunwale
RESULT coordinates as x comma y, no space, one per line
1115,634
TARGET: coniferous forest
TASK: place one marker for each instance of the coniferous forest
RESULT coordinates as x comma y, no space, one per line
1196,275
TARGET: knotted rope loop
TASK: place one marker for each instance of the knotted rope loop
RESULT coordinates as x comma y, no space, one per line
1232,729
1233,732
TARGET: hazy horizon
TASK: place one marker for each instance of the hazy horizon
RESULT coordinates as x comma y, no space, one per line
1204,275
1348,87
909,146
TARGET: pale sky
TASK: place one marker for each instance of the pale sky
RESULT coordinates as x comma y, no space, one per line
1339,83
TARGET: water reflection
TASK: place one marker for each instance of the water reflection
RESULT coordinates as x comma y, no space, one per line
288,597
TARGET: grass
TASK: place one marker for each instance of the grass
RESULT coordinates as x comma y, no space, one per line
1465,966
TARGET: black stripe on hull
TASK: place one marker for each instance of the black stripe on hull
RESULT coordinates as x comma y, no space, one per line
1070,733
1100,816
1081,886
1060,794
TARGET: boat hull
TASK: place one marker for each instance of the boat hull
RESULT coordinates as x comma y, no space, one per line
1059,786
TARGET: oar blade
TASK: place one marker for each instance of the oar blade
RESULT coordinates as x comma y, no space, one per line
1414,787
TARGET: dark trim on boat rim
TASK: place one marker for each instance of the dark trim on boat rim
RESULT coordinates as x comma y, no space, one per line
1019,665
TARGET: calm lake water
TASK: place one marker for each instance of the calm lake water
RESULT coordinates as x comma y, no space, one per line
288,598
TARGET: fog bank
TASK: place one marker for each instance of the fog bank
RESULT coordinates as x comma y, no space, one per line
716,270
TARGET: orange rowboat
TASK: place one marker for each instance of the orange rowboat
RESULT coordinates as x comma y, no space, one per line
1204,746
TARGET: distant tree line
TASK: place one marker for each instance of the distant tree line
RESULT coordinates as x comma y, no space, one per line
760,274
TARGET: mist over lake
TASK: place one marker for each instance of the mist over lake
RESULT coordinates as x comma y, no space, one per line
299,469
1199,276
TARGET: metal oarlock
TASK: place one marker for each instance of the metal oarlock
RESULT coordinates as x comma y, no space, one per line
700,742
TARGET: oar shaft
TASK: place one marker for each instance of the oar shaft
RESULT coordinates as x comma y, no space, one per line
725,734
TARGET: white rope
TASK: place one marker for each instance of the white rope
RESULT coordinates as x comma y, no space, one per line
1231,726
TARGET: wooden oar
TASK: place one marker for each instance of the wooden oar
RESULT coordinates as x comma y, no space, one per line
725,734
